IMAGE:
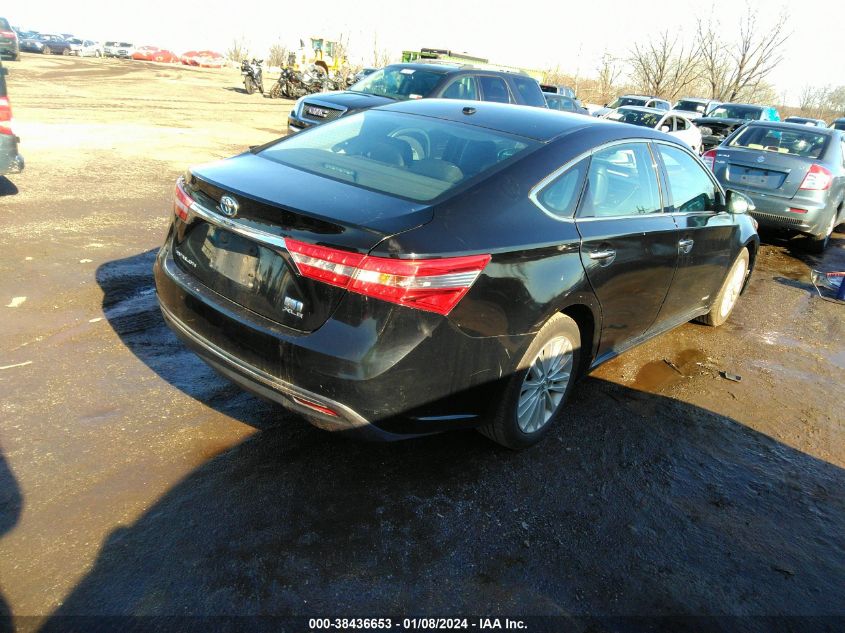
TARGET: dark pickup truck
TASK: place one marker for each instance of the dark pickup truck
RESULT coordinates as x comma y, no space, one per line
11,162
726,118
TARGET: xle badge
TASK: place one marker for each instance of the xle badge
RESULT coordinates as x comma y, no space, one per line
294,307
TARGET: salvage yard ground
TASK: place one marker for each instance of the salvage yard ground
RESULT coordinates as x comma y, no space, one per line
134,480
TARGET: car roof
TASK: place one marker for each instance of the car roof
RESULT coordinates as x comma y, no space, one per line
434,67
539,124
556,94
783,125
747,105
697,99
643,109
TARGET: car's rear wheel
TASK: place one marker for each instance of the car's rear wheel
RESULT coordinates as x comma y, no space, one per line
818,244
66,52
46,50
535,394
726,300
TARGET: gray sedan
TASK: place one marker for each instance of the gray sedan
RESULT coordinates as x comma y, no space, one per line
794,174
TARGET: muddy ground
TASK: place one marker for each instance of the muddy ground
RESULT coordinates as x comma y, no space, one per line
133,480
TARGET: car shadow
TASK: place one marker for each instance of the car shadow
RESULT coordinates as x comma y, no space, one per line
636,504
7,187
11,505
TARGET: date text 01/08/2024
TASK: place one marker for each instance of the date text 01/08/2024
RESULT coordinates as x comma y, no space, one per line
428,624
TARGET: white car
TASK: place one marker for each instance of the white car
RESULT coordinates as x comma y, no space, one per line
674,124
633,100
85,48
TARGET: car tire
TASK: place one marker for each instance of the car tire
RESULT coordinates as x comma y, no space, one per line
66,52
725,301
46,51
817,245
534,397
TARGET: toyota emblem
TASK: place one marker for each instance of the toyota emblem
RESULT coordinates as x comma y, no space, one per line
761,159
228,206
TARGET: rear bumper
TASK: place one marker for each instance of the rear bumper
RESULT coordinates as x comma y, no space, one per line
773,212
386,371
11,162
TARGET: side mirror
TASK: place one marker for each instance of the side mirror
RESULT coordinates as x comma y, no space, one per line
739,202
664,128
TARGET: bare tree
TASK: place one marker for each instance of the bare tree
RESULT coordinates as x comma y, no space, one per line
733,68
239,50
381,56
278,55
609,72
664,66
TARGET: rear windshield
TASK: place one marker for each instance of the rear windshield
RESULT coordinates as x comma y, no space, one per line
838,125
111,43
626,101
795,142
690,106
749,113
412,157
636,117
4,24
399,83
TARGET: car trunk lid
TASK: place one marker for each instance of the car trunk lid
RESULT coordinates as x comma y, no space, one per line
244,258
762,170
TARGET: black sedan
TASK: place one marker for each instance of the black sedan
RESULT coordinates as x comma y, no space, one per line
793,173
436,264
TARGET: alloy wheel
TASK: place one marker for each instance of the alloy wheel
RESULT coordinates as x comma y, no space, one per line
734,288
544,385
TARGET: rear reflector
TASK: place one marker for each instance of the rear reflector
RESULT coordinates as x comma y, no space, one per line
817,179
794,210
181,201
5,116
709,158
314,405
435,285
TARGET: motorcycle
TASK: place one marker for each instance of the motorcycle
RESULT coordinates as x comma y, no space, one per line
293,84
253,79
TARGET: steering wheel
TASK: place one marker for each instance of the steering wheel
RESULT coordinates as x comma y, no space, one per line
418,140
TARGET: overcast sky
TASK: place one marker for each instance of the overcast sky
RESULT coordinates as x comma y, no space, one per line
532,33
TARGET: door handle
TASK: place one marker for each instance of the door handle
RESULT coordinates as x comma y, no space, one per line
604,256
685,246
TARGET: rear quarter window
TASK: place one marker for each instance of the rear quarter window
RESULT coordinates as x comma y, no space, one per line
529,91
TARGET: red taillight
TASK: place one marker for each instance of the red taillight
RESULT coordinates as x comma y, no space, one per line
10,34
817,179
325,264
709,158
5,116
794,210
435,285
315,406
181,201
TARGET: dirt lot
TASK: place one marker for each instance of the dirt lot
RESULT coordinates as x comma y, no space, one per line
133,480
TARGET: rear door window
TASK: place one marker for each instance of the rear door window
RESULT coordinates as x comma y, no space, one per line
621,181
691,188
494,89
